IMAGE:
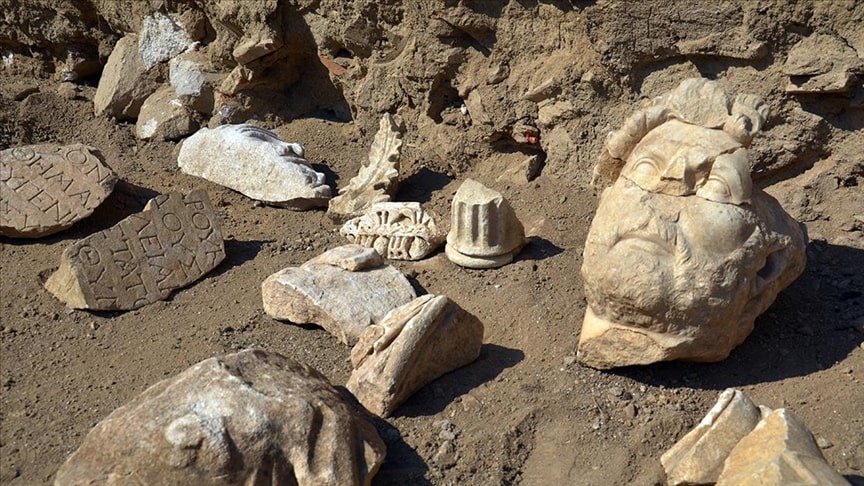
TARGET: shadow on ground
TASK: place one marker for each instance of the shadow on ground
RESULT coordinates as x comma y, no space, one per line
435,397
813,324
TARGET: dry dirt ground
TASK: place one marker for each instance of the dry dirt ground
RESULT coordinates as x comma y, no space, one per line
524,413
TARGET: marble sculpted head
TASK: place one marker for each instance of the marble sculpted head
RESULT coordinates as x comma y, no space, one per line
683,252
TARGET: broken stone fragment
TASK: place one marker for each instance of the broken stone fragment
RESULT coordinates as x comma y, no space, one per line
256,163
251,417
484,229
125,82
412,346
175,241
160,39
822,63
397,230
698,457
193,82
378,180
343,290
164,117
254,47
46,188
779,451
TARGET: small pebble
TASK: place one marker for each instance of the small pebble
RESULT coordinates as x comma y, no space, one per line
824,443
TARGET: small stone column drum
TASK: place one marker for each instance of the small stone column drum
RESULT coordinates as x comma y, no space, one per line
484,232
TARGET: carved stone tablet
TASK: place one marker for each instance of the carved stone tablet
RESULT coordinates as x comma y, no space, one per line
46,188
249,418
484,230
376,181
175,241
343,290
412,346
256,163
397,230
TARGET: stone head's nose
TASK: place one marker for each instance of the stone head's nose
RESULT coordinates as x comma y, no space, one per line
675,169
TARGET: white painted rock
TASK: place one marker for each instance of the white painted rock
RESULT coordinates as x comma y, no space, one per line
160,39
164,117
125,82
698,457
376,181
397,230
412,346
256,163
343,290
779,451
247,418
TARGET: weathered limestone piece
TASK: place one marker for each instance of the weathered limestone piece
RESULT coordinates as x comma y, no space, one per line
698,457
46,188
193,82
822,63
256,163
251,417
779,451
484,230
164,117
161,39
175,241
412,346
397,230
376,181
683,252
343,290
125,82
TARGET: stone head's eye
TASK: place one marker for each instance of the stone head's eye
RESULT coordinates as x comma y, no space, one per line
646,167
716,189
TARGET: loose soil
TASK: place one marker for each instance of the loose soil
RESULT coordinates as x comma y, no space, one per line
523,413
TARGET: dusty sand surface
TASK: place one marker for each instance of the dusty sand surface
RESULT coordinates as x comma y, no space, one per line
524,412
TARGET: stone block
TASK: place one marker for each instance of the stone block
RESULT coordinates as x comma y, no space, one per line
164,117
343,290
46,188
160,39
125,82
175,241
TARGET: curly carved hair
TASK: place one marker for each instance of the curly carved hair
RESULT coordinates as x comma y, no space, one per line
696,101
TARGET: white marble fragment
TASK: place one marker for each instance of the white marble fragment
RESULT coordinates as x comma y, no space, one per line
343,290
412,345
256,163
397,230
484,229
376,181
